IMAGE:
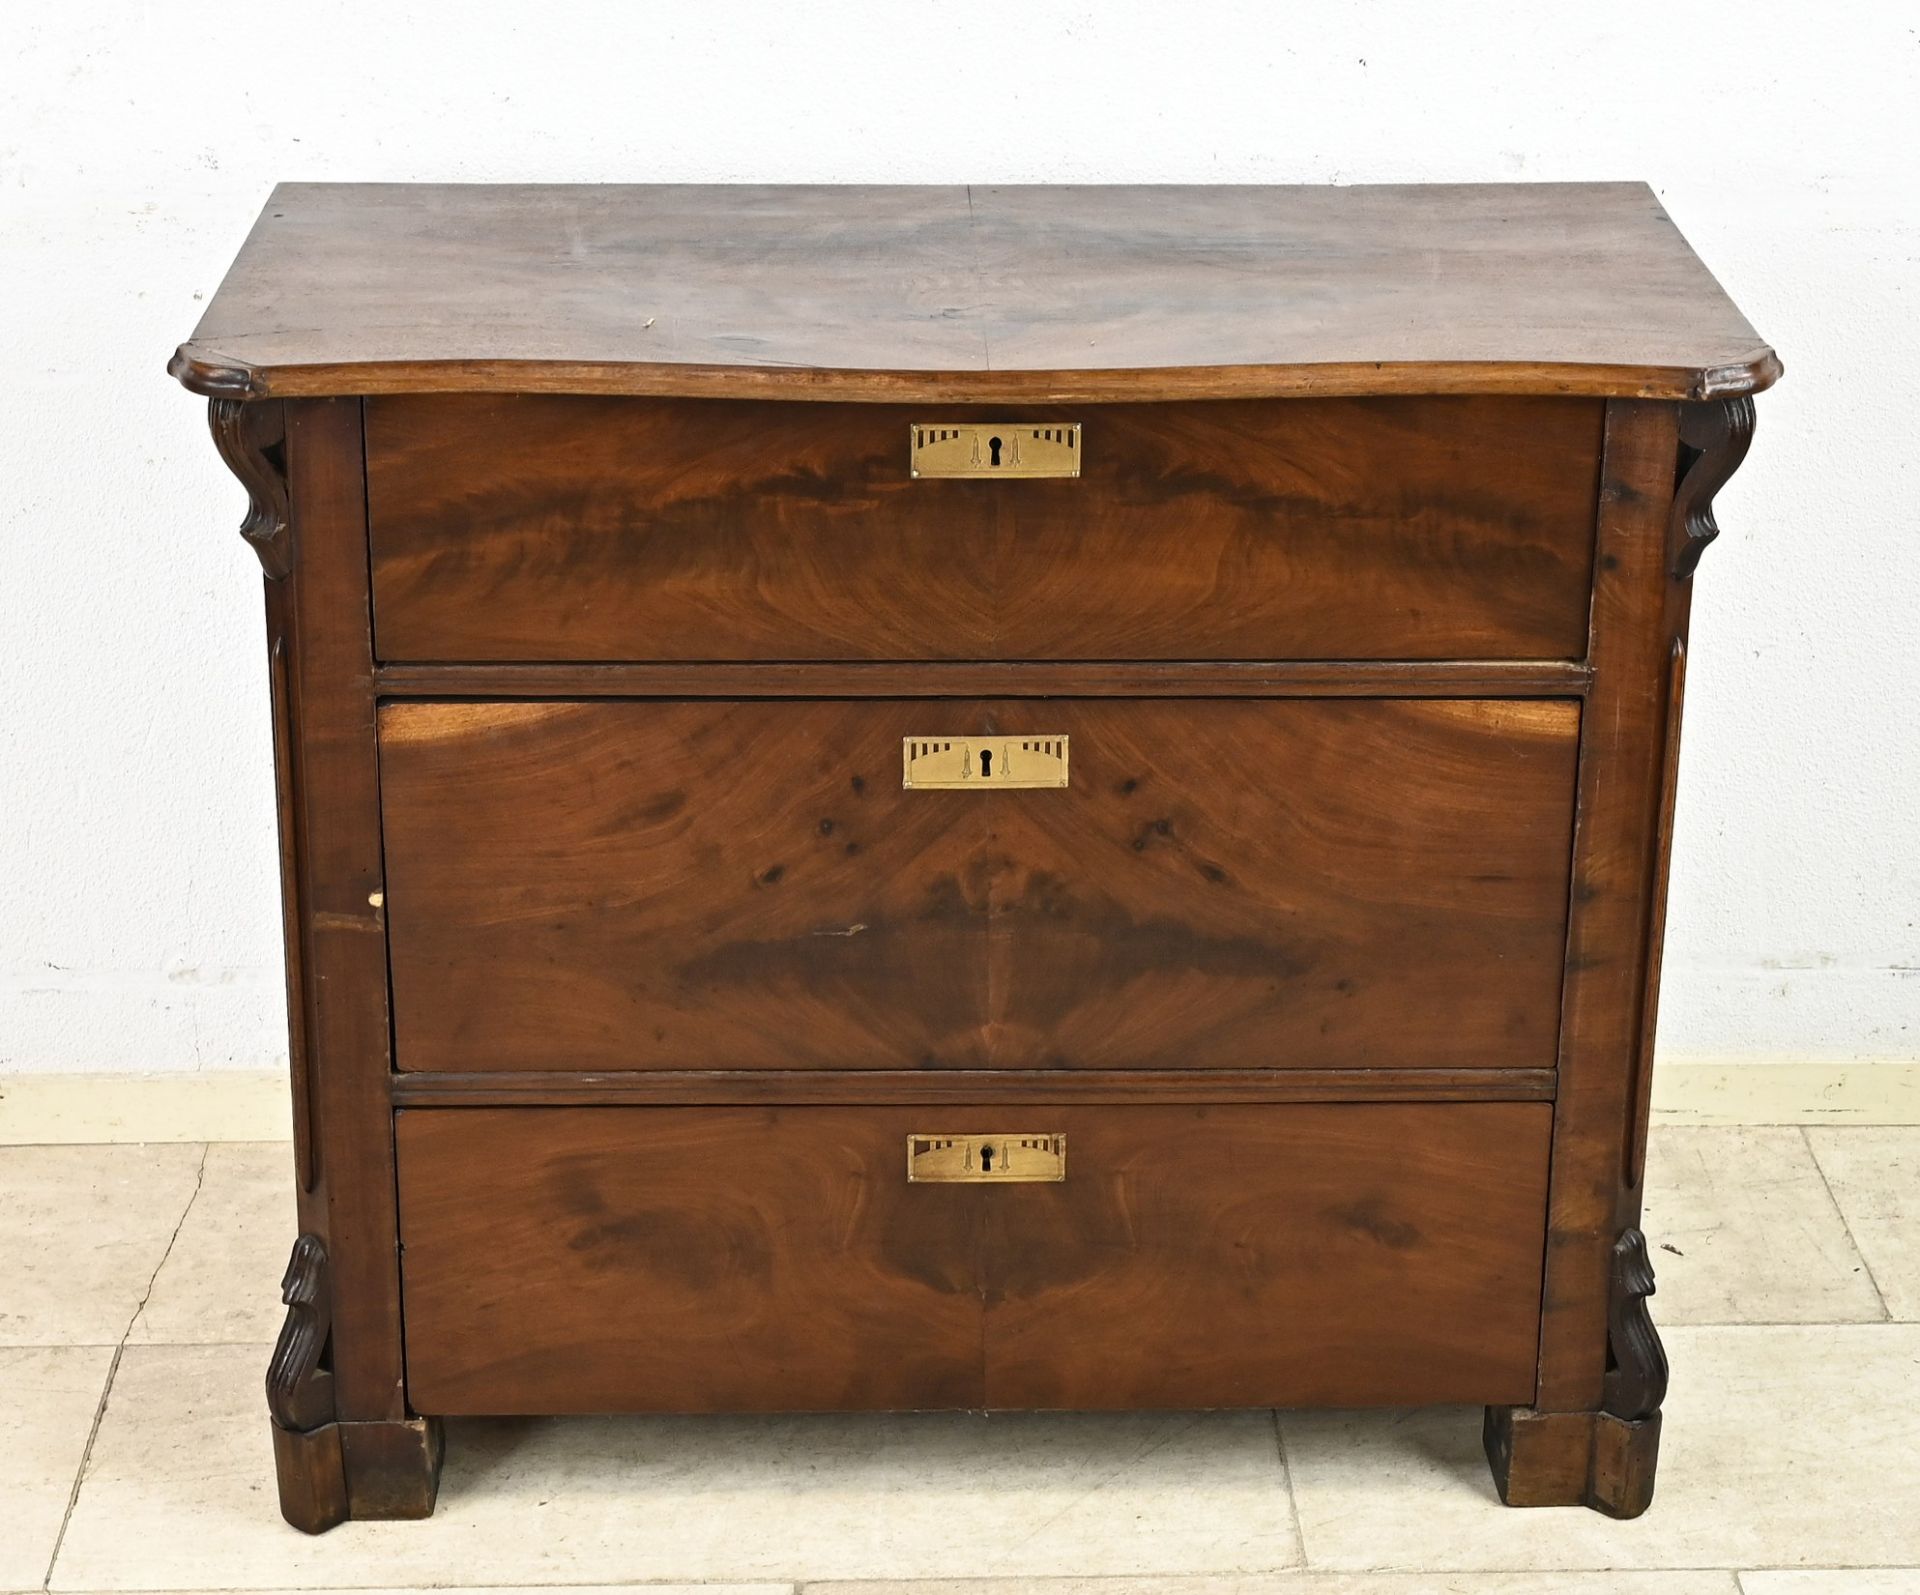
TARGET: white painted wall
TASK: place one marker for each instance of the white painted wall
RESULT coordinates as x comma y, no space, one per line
138,925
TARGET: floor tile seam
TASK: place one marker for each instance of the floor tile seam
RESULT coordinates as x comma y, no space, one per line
1293,1501
1866,1264
113,1368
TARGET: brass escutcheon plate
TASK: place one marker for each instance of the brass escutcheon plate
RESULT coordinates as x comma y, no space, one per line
995,448
1012,1157
982,764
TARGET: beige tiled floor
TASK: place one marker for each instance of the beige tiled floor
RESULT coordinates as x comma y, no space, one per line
138,1289
1745,1231
1875,1177
82,1229
48,1396
240,1227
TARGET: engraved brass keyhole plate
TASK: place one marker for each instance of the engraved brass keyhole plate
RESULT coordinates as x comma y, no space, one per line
995,448
1012,1157
982,764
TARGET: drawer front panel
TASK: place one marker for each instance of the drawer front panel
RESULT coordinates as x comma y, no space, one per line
1250,884
732,1259
555,528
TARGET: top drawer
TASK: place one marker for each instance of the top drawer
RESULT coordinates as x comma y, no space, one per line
562,528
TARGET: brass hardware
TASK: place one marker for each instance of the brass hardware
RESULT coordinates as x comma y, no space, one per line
1017,1159
982,764
995,448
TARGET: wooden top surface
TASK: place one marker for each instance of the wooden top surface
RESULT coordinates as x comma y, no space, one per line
953,293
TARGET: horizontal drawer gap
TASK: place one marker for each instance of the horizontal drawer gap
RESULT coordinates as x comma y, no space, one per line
1471,678
706,1088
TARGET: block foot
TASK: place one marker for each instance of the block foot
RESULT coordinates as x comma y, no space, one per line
357,1470
1590,1459
330,1470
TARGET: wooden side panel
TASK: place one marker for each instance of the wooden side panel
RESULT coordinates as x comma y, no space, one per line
550,529
704,1259
1638,610
1224,885
320,622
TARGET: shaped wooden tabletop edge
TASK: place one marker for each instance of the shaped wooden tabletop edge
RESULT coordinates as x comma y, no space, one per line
1094,294
212,373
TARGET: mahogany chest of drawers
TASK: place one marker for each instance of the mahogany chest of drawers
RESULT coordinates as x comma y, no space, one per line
1002,798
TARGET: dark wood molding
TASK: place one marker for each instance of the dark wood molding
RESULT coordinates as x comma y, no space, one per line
1637,1362
535,1087
252,439
1714,439
299,1388
1464,678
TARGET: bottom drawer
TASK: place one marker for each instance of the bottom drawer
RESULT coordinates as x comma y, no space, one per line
744,1259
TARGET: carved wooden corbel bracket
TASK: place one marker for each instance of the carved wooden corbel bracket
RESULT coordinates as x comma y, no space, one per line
1636,1361
252,439
1714,439
330,1470
299,1389
1604,1459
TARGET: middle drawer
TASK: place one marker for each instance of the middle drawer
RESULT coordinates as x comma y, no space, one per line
1220,884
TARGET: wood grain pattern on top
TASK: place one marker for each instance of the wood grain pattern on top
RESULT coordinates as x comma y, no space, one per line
957,293
1351,883
544,528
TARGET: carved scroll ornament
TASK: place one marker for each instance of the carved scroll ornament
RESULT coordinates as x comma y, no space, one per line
1714,439
1637,1362
299,1390
252,439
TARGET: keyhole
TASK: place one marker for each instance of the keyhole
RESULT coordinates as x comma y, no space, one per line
986,764
993,447
986,1160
